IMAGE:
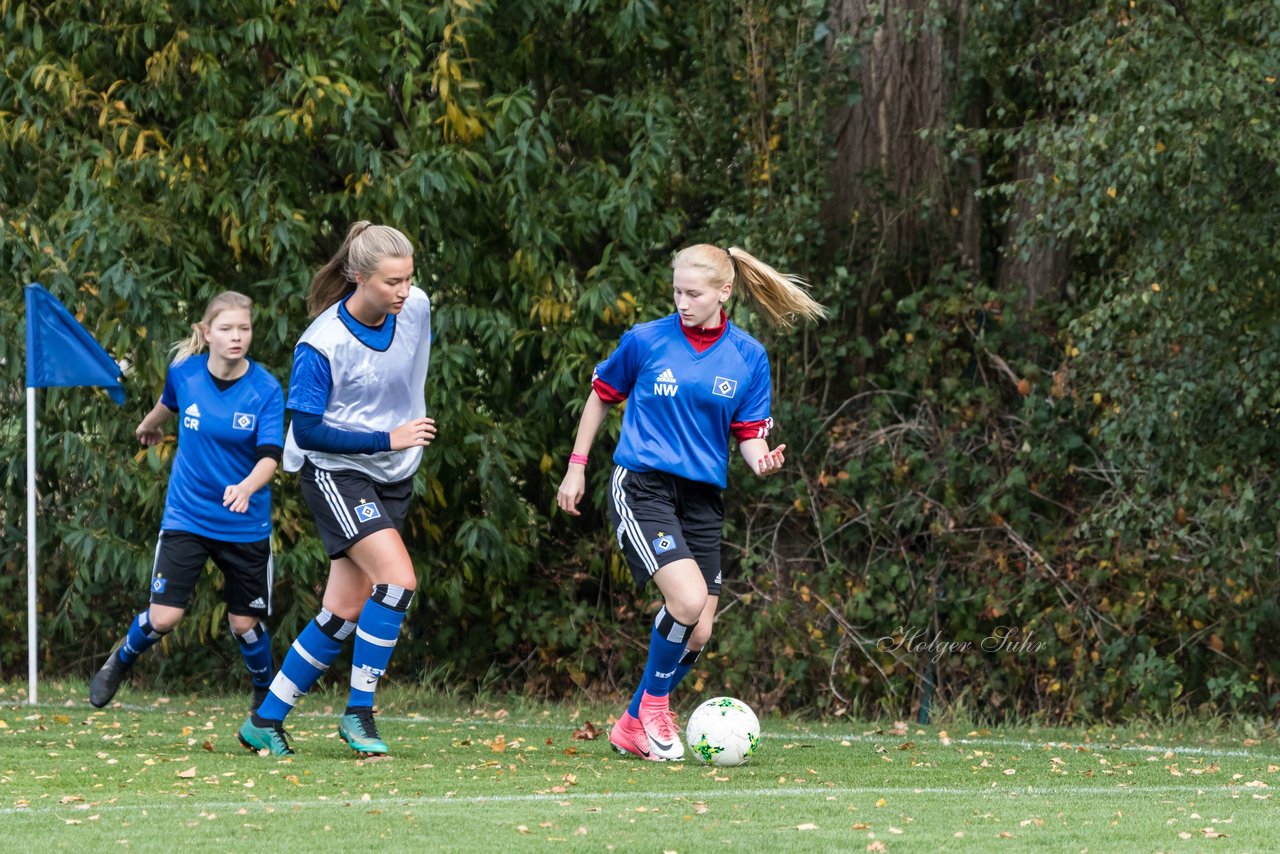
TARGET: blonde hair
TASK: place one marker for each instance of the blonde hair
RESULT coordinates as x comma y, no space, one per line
184,348
361,252
781,297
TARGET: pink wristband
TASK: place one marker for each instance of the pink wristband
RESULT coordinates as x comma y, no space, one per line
580,459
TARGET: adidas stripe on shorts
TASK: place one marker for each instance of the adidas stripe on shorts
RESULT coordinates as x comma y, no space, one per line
180,560
660,518
349,505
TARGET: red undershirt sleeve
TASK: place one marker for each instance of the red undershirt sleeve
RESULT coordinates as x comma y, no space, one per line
744,430
606,392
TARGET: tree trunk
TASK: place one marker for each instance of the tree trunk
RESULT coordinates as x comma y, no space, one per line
1039,268
886,175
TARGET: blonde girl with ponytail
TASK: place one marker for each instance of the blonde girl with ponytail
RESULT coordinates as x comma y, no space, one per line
358,427
692,380
218,506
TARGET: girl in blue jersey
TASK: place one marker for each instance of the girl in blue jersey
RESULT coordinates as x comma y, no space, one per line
691,379
358,406
219,504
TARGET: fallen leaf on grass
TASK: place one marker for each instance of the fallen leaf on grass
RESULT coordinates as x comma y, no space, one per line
876,846
188,774
807,826
586,732
523,829
369,760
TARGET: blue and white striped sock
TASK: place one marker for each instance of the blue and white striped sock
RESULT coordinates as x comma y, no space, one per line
682,670
255,649
666,646
376,636
308,659
140,638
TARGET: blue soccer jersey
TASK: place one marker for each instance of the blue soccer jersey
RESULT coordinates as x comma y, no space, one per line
680,403
219,433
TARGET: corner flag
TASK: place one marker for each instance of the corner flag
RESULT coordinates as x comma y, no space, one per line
59,350
59,353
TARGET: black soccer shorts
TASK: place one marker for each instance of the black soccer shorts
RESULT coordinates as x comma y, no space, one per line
661,518
181,557
349,505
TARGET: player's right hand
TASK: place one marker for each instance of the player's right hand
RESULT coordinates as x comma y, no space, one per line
413,434
571,490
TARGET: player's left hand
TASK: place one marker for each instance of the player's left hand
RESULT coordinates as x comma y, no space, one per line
236,498
771,463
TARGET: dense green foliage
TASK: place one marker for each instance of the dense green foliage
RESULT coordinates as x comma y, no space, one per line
1096,472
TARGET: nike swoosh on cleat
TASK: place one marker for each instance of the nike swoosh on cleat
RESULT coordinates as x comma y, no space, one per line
639,750
660,745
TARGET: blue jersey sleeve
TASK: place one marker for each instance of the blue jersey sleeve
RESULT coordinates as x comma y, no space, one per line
169,397
271,418
312,434
623,365
758,401
310,381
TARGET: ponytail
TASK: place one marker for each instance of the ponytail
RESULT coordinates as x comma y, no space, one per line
779,296
185,348
362,250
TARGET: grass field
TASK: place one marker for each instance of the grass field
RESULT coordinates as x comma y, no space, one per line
158,773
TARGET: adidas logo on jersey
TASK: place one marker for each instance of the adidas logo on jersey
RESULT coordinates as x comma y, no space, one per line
665,385
191,417
258,603
193,411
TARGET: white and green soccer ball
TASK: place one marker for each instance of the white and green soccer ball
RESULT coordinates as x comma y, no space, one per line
723,731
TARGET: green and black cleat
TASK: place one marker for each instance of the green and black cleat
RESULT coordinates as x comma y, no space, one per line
271,737
360,732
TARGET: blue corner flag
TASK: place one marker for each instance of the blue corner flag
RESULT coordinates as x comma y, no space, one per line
61,353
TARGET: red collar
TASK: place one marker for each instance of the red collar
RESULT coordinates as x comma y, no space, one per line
702,337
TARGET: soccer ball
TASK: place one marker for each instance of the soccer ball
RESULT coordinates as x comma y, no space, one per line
723,731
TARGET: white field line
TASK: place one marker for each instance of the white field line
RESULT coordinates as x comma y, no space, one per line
789,735
701,796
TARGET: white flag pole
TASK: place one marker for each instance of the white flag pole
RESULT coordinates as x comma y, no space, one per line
32,641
